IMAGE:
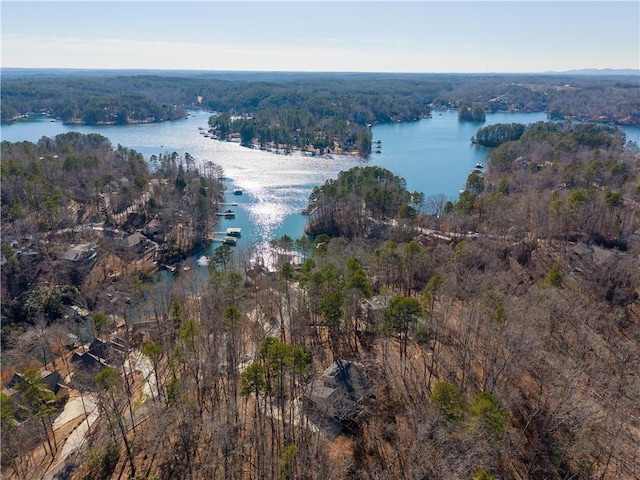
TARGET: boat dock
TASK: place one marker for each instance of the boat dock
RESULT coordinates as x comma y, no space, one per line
228,237
227,214
231,232
170,268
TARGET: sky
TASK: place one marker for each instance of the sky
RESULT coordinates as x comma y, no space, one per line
338,36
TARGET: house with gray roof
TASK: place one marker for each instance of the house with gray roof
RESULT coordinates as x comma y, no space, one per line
100,354
374,308
52,381
340,392
80,253
132,240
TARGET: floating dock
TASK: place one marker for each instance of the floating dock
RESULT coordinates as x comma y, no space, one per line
228,240
227,214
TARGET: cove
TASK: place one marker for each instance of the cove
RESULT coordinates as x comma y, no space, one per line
435,155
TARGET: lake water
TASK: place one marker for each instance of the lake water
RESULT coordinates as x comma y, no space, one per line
434,155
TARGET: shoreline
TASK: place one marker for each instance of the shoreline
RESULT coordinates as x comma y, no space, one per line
272,148
627,121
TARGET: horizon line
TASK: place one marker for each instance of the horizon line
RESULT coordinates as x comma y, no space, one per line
196,70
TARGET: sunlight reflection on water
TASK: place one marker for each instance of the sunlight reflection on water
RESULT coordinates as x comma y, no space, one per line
276,187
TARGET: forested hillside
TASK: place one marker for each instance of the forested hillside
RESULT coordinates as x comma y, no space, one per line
71,207
496,336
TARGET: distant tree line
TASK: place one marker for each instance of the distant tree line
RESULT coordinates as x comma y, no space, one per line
361,99
606,99
85,101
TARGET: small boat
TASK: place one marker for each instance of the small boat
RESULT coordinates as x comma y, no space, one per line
378,151
479,165
203,261
237,191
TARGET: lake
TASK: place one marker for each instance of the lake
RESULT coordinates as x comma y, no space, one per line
434,155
